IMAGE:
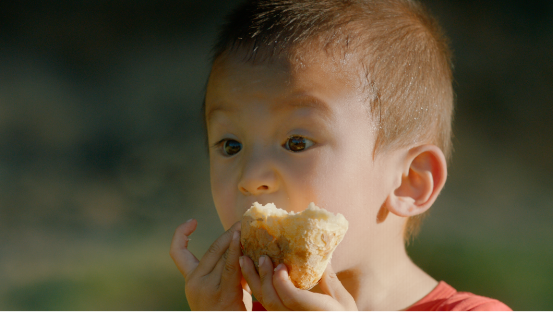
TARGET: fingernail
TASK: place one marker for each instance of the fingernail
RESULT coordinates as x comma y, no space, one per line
236,235
189,220
261,260
241,260
279,267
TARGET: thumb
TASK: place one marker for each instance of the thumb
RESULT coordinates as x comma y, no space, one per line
331,285
336,297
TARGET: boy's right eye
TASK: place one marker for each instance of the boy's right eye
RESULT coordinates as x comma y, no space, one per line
231,147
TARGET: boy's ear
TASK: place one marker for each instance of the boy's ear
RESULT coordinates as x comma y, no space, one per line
422,179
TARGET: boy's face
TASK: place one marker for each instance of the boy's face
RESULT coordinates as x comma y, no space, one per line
293,135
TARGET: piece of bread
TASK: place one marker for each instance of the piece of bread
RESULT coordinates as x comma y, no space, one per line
303,241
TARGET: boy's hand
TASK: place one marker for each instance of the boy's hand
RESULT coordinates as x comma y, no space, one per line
215,282
277,292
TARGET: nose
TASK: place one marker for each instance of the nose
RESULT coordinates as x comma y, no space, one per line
259,176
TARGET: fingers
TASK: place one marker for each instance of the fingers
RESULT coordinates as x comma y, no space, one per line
297,299
203,285
251,277
216,251
275,290
292,297
271,300
186,262
331,285
228,267
262,284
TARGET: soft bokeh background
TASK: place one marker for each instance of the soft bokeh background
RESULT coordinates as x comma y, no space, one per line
102,155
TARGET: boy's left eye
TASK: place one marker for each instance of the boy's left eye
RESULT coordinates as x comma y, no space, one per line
297,143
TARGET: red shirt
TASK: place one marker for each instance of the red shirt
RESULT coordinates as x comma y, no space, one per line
446,298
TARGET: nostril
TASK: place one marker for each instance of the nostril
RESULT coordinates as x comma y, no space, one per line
243,190
261,188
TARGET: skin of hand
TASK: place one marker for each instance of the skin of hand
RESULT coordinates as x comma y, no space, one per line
275,290
215,282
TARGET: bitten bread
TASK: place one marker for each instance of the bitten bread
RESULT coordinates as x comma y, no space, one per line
303,241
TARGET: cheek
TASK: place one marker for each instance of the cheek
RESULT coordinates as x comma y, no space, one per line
345,183
223,196
303,181
323,180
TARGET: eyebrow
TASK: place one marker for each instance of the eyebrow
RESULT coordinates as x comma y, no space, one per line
217,108
297,102
305,101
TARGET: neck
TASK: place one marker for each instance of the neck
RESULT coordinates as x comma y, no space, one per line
393,286
385,280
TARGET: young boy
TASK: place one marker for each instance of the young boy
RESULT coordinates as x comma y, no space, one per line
347,104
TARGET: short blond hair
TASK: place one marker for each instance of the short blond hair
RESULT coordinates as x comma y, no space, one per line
405,62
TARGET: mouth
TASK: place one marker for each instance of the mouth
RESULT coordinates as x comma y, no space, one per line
277,203
284,204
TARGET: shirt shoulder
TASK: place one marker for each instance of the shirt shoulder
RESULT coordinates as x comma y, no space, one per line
446,298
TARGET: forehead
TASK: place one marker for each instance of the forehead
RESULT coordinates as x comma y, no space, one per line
317,81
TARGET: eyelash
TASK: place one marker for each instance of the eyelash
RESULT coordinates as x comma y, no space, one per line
220,145
307,145
286,144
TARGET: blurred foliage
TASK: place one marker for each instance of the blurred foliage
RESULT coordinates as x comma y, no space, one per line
102,152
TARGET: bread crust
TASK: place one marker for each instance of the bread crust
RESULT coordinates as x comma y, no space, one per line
303,241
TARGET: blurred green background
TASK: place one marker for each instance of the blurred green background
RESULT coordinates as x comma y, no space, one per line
102,152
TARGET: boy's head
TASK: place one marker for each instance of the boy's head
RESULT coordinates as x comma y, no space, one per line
383,69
